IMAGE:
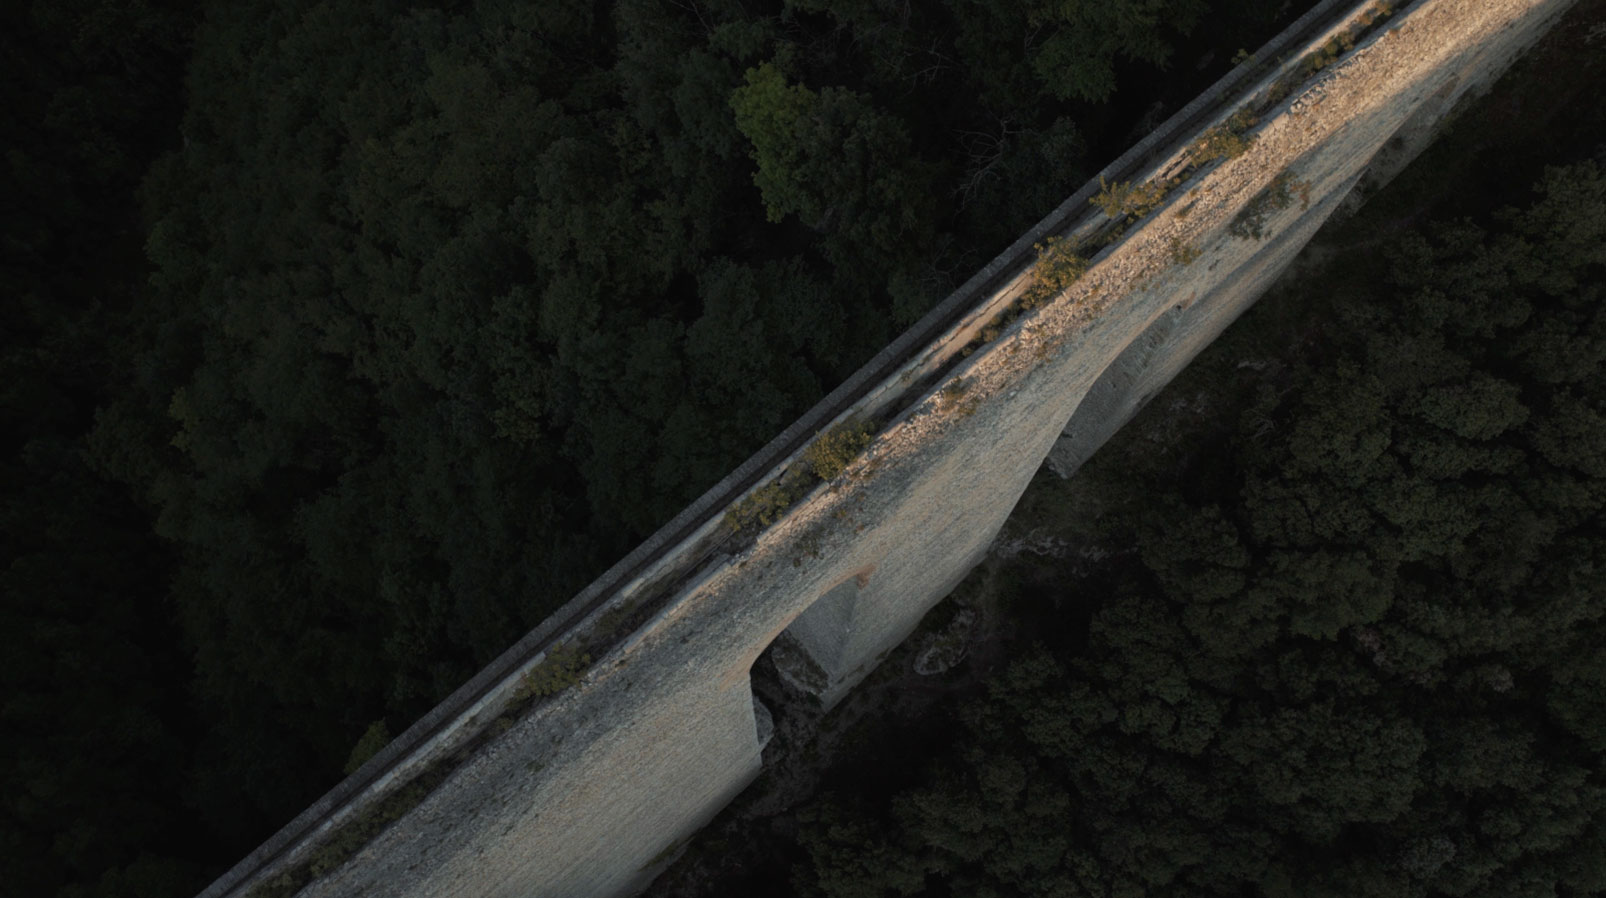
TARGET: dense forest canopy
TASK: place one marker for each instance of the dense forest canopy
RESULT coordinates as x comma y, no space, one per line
1353,648
347,340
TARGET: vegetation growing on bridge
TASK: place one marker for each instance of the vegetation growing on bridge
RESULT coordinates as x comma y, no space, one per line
956,398
1182,252
1317,60
764,505
1059,265
560,669
1125,200
831,453
338,846
825,458
1228,140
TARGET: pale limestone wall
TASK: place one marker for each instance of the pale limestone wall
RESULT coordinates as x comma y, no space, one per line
585,795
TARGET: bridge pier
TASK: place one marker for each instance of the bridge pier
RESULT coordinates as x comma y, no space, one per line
1181,332
855,625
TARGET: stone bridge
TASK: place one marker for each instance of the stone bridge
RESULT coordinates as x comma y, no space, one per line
504,791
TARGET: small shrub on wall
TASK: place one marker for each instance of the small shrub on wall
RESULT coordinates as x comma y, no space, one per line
762,507
1058,267
558,671
831,454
